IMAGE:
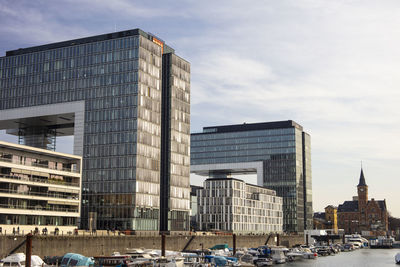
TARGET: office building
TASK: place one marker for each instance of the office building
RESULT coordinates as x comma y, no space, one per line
38,189
231,205
125,97
278,152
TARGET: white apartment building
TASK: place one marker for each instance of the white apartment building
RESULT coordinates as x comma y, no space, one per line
231,205
38,189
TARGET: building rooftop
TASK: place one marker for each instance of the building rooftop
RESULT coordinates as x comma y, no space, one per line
37,150
352,206
319,215
362,179
348,206
85,40
235,179
251,127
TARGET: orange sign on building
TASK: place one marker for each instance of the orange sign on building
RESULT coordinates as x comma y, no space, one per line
155,40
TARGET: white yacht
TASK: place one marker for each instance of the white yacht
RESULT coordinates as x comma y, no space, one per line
18,260
278,254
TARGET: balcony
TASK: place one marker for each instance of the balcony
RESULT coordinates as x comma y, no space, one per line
38,207
39,194
44,181
34,164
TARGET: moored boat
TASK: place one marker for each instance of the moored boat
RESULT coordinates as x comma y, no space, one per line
74,259
278,254
116,260
18,260
260,262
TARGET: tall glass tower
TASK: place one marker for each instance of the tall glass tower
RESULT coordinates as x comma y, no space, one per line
125,97
278,152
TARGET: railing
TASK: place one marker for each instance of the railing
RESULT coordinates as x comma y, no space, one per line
45,181
37,207
39,194
34,164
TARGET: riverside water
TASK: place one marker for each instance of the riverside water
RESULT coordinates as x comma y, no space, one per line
359,258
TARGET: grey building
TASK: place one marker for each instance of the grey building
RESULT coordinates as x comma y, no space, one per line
231,205
278,152
125,97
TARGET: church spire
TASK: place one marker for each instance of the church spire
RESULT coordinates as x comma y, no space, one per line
362,179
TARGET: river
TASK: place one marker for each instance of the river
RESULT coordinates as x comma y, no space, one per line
359,258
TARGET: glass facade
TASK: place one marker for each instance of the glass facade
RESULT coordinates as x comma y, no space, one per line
284,154
176,134
119,76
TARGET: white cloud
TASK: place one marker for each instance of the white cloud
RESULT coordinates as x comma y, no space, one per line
332,66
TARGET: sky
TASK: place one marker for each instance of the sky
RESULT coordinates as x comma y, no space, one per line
331,66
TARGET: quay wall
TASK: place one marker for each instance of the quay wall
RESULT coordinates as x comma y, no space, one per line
92,245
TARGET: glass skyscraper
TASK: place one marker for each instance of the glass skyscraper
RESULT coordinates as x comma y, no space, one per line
125,97
280,154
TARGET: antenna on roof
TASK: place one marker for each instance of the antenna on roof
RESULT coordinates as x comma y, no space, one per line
115,27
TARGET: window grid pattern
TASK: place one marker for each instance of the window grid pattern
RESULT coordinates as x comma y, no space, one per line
281,151
234,206
119,79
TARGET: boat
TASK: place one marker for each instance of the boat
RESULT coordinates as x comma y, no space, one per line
18,260
278,254
357,240
220,246
249,258
141,256
169,262
74,259
222,261
397,258
193,260
260,262
294,254
356,244
116,260
323,250
348,247
308,254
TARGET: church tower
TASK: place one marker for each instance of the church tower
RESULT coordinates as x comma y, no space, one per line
362,190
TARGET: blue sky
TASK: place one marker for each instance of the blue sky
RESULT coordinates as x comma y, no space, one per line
331,66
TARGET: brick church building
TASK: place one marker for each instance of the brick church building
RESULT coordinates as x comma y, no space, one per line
362,214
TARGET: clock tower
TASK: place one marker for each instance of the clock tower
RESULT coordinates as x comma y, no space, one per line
362,190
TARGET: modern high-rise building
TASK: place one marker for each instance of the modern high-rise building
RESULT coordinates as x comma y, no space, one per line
278,152
125,97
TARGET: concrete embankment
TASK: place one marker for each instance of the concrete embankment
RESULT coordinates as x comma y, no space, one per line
92,245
